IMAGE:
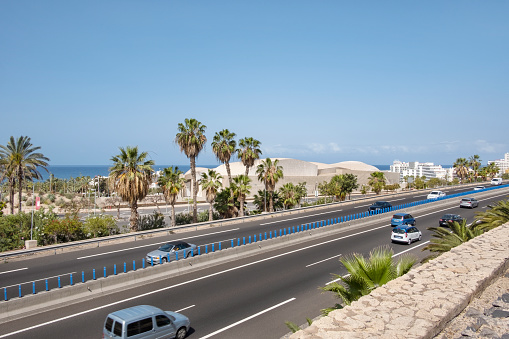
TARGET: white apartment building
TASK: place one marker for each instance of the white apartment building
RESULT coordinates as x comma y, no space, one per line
503,164
419,169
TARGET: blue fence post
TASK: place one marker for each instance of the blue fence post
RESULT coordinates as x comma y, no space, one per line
280,232
265,235
114,269
249,239
5,294
151,261
134,265
82,276
284,231
70,279
59,284
192,253
270,234
47,287
199,250
206,249
160,260
232,243
213,248
243,240
143,262
254,238
104,271
125,267
93,274
176,256
33,287
20,291
238,241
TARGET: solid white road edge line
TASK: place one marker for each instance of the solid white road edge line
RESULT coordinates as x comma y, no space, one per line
246,319
157,243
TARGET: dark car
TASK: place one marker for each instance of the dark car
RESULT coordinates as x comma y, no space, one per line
450,218
379,205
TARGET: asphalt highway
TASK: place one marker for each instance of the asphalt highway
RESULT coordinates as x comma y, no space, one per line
249,298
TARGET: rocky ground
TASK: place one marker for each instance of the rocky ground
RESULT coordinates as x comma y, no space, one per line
487,316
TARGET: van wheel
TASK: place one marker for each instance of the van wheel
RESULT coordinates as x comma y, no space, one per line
181,333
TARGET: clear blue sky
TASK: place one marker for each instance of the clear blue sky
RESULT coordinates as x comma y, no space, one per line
324,81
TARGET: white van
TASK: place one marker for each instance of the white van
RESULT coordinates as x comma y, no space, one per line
147,322
496,181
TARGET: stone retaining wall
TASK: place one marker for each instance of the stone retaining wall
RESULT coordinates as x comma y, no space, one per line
420,303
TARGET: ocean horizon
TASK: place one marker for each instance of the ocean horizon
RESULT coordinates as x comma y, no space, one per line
73,171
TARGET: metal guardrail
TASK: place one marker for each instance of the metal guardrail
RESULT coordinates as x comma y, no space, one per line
56,247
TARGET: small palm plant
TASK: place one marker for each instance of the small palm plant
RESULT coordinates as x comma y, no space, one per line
367,274
494,216
446,238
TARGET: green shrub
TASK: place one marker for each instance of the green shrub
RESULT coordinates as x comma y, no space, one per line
51,197
149,222
183,218
100,226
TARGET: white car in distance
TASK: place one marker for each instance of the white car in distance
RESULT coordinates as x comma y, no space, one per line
435,195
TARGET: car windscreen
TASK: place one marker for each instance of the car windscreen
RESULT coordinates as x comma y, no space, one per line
398,231
379,203
166,247
399,217
465,200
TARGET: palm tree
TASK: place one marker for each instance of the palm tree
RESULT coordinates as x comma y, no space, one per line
376,182
461,169
191,140
494,216
475,163
269,173
492,169
366,275
172,182
288,192
445,238
10,174
211,183
241,189
130,176
21,157
248,152
223,146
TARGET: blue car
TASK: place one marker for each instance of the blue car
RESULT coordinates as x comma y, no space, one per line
399,219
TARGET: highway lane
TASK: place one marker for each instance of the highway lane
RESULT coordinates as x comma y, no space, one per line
250,297
50,267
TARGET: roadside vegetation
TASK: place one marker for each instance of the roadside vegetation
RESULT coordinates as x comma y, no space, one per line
128,186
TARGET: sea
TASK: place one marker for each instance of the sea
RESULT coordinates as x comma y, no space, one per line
73,171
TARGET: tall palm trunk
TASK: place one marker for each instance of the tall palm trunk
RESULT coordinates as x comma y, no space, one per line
271,200
173,221
211,215
12,183
134,216
195,189
241,200
20,184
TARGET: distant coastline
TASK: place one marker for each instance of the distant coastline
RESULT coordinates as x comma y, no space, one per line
68,171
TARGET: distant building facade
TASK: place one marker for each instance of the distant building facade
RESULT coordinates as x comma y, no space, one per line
503,164
419,169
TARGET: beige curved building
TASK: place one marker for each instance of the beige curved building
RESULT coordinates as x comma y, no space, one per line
295,171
